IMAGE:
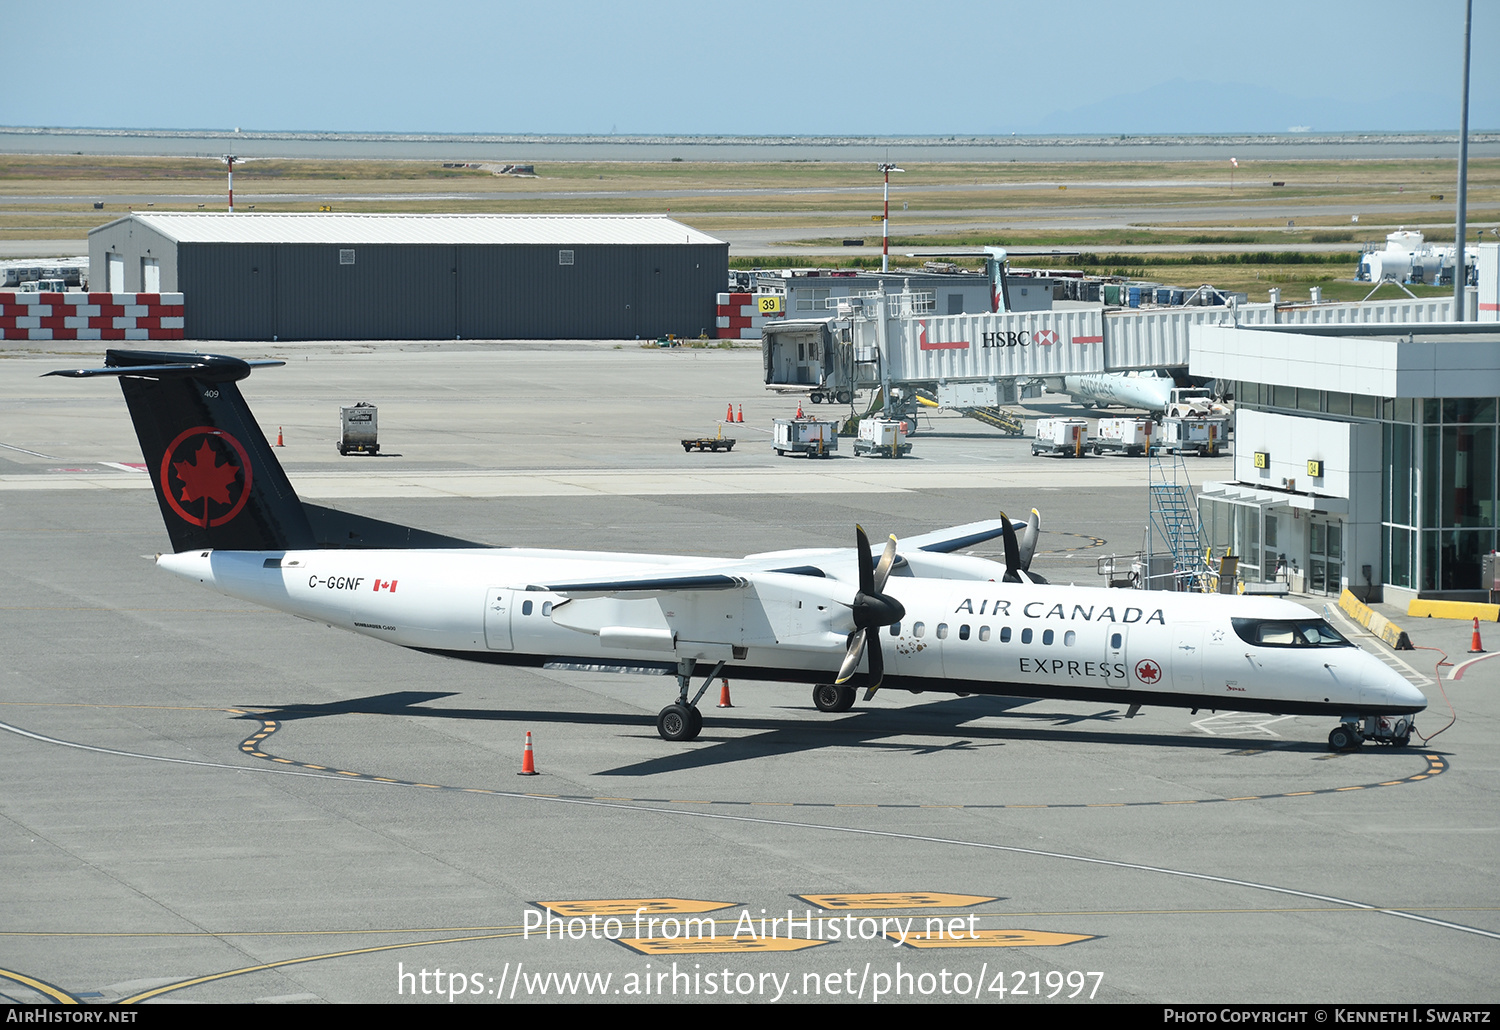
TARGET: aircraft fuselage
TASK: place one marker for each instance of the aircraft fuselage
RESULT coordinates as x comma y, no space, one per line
958,635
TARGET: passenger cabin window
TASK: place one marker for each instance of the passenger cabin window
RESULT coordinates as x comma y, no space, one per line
1070,638
546,607
942,631
1115,639
1047,637
895,629
1026,635
1288,633
525,607
1004,634
963,632
984,632
918,628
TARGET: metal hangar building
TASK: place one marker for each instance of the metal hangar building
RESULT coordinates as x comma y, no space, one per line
419,277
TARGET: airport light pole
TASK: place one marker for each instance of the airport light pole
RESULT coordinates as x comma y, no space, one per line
229,159
1460,251
885,223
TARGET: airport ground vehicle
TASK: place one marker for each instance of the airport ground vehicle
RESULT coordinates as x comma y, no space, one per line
1064,437
1131,436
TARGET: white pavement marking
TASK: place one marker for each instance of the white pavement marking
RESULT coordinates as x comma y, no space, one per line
34,454
1239,723
1457,672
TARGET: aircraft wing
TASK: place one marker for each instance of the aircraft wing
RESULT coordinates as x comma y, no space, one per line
839,563
665,582
956,538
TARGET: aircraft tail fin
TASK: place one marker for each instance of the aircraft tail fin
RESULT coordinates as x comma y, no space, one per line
216,478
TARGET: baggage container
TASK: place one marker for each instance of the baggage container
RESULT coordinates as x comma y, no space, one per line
816,438
1204,437
358,429
1131,436
1068,437
882,438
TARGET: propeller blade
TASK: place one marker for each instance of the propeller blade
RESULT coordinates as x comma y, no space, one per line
1012,552
852,656
1029,537
887,560
872,609
862,548
877,667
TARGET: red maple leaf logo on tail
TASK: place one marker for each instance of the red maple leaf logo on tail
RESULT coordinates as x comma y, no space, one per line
205,480
204,477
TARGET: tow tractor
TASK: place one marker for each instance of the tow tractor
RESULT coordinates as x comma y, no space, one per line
1354,730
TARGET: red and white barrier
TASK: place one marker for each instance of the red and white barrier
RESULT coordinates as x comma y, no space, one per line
91,316
738,319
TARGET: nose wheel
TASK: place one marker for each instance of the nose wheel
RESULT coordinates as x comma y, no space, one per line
1344,738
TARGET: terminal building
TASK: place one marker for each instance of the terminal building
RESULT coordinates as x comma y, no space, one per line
1365,457
418,277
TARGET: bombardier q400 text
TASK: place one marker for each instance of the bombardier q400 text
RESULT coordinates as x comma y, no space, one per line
921,618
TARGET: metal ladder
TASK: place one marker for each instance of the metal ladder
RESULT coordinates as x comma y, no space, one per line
1175,526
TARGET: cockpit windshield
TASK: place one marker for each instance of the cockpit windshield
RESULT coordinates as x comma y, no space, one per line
1289,633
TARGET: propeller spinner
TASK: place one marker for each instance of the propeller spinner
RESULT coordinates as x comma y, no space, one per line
872,609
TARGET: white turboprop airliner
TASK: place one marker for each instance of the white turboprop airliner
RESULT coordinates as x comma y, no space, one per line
1101,389
920,619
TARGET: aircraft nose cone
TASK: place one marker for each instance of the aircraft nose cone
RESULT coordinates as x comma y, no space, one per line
1398,690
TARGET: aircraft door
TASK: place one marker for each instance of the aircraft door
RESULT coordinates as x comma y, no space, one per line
1187,658
497,605
1114,652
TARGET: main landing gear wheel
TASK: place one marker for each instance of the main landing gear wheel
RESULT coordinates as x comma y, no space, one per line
679,722
1344,738
829,697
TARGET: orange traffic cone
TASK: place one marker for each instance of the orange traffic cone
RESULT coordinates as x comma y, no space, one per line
740,416
528,764
1476,647
724,696
729,413
278,437
799,410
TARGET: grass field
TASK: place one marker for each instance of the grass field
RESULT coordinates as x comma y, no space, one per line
1077,206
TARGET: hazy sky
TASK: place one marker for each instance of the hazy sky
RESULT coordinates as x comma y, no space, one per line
871,68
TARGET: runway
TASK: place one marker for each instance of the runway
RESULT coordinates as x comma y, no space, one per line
208,802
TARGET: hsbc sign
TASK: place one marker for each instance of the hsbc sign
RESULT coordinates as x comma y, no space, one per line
1022,338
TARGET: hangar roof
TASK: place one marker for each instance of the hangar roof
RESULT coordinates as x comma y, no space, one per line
581,230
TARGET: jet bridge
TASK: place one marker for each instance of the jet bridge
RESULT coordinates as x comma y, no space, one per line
897,344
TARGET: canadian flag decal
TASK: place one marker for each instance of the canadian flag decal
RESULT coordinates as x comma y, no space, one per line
382,584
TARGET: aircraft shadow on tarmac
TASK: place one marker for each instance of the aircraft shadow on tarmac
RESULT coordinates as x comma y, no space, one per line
777,736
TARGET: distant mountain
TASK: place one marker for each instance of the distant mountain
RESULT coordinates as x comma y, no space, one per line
1210,107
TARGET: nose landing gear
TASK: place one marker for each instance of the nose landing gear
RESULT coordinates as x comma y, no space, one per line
1353,731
